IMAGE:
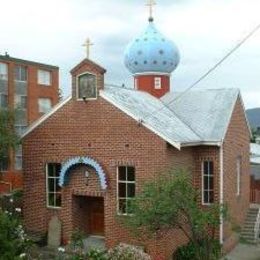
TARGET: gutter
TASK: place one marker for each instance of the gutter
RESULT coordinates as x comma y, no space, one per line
197,143
221,195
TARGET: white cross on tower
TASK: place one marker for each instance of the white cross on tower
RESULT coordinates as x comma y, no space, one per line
88,44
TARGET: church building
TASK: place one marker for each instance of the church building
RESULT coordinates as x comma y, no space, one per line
90,155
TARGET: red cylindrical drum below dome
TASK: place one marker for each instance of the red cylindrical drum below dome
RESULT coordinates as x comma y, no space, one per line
156,85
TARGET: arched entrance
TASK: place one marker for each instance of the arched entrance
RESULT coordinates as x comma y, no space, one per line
87,197
64,173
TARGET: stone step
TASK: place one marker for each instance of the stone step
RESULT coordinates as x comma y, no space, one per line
249,238
251,229
249,224
251,235
251,216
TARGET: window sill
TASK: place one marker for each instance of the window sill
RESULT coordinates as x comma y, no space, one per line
86,99
55,208
124,214
207,204
44,85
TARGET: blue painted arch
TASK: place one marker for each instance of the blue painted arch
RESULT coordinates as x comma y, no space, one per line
66,166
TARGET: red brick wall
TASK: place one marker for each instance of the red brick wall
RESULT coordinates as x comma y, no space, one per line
236,144
146,83
87,134
255,190
99,130
34,91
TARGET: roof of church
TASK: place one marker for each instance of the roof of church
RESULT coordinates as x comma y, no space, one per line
255,153
255,149
195,118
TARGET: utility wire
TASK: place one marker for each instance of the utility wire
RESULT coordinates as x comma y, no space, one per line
210,70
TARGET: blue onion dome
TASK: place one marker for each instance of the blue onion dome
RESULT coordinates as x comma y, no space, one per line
151,52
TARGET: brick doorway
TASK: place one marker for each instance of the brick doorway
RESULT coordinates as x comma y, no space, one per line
88,215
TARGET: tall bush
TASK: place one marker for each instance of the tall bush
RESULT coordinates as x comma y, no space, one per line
171,201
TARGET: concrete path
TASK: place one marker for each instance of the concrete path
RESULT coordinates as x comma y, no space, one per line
244,252
96,242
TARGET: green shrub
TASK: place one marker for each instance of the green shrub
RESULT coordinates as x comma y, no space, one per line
77,238
207,250
96,254
13,240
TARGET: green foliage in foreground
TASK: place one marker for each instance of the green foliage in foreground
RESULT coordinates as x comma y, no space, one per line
8,137
171,201
120,252
13,241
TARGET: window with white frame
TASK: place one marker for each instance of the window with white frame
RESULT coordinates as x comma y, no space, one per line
3,71
44,77
18,158
53,190
207,182
20,73
125,188
238,166
157,83
20,102
44,105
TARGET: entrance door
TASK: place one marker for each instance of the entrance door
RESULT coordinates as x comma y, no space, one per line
96,216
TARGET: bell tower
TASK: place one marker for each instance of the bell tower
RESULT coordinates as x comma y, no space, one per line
87,77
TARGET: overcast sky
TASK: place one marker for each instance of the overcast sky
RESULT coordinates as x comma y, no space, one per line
52,31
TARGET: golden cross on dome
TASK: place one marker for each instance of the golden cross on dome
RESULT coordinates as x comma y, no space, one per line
151,4
88,44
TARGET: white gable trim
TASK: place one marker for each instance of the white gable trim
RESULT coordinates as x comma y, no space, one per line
45,117
208,143
175,144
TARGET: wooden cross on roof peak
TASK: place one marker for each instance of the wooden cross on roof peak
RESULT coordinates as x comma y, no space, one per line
151,4
87,45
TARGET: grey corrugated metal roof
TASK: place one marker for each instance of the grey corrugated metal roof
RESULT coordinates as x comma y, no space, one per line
198,116
255,154
207,112
141,106
255,149
255,160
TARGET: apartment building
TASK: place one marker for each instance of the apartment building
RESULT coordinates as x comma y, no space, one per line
33,88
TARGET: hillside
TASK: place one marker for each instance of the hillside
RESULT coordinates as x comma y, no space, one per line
253,116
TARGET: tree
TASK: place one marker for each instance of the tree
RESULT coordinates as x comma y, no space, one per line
8,137
171,201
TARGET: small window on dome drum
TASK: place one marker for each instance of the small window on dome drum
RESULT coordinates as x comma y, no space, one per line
157,83
136,83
